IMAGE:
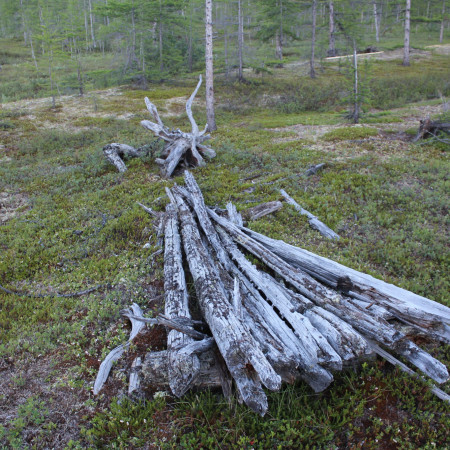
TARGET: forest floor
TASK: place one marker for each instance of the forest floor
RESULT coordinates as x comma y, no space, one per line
69,221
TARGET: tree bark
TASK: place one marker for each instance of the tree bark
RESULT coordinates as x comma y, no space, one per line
240,41
182,369
441,34
312,71
211,120
331,34
407,33
376,20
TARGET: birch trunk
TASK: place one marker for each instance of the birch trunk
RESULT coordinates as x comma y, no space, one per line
331,33
312,71
407,33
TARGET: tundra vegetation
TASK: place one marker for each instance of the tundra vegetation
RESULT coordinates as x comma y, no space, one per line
69,221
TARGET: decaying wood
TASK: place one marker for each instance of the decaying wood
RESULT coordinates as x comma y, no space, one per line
183,368
233,215
256,212
116,153
431,128
388,357
134,376
374,328
155,371
293,315
180,147
401,303
312,219
115,354
314,169
245,360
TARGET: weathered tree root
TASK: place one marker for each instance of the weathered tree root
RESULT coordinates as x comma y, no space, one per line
182,148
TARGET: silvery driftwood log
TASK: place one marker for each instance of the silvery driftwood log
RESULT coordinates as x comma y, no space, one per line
256,212
180,147
312,219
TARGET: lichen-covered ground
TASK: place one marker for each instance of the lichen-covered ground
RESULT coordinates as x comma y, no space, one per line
69,221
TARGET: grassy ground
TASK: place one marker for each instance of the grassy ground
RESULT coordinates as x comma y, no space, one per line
69,222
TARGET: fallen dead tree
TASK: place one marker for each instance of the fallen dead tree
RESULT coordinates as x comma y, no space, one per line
294,316
435,129
186,149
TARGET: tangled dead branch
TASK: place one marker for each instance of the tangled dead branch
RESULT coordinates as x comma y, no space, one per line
186,149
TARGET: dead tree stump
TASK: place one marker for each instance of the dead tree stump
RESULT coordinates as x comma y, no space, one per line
186,149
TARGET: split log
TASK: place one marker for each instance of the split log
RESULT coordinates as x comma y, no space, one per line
401,303
180,147
388,357
261,210
312,219
243,357
182,368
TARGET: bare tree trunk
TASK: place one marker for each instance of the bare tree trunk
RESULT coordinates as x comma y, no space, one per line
407,29
50,74
312,72
356,105
161,63
240,39
279,36
227,70
376,20
209,67
86,26
279,46
331,34
91,19
441,34
32,51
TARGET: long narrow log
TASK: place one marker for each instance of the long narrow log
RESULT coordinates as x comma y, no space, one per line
182,368
245,360
312,219
402,303
256,212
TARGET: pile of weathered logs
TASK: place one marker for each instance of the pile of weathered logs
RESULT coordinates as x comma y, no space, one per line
186,149
294,315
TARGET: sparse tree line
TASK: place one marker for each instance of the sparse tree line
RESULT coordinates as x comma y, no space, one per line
154,38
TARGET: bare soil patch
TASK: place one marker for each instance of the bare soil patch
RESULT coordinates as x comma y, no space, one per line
10,202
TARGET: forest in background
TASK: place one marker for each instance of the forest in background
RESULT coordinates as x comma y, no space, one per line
76,45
